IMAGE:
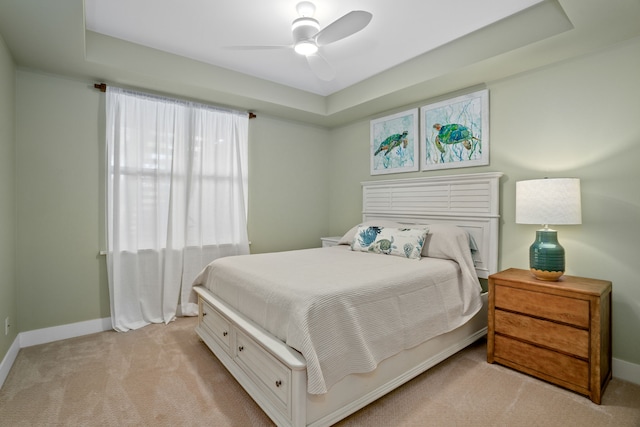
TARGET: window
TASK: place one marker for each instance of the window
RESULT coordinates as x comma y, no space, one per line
176,199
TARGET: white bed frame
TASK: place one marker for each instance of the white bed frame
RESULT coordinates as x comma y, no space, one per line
274,374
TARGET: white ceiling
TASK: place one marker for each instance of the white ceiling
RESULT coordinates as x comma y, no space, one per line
393,63
205,30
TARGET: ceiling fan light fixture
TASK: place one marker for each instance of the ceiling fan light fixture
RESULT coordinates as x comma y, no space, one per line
306,24
304,29
305,8
305,48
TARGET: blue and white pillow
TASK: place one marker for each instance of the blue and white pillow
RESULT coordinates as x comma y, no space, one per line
403,242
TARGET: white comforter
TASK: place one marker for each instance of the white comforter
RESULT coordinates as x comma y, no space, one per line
346,311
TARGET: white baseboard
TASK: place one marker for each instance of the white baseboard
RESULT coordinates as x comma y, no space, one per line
56,333
626,371
9,358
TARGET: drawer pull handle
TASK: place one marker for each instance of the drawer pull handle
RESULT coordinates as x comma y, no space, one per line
225,333
240,348
278,383
204,313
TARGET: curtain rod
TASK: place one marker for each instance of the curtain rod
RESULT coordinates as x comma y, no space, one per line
102,87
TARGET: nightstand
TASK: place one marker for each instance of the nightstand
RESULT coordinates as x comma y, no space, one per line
559,331
330,241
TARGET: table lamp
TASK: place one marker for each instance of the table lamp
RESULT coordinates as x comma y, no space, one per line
547,201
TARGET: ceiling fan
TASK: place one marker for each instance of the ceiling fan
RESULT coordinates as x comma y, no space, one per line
308,37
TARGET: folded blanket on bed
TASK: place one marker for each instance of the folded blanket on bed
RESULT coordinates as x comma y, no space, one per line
346,311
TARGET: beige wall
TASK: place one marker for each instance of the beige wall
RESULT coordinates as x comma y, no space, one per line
288,185
60,123
578,118
7,199
60,274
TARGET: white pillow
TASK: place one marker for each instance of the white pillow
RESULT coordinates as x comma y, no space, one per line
445,240
402,242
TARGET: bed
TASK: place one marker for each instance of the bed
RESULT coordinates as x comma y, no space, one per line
276,336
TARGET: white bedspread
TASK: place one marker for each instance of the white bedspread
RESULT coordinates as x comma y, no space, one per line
346,311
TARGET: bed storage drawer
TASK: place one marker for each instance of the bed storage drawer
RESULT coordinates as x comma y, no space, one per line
268,373
216,325
269,370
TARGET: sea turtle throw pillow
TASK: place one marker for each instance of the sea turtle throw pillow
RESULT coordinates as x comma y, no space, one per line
403,242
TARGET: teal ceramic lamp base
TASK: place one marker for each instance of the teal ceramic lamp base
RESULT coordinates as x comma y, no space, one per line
546,256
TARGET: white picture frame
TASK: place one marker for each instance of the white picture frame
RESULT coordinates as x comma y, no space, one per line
394,143
455,133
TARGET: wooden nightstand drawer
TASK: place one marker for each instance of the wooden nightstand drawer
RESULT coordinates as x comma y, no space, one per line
541,362
566,339
553,307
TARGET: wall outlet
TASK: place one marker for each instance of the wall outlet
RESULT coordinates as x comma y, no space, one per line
6,326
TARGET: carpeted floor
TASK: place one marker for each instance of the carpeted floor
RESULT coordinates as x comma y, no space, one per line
165,376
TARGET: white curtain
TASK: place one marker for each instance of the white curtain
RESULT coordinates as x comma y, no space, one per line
176,200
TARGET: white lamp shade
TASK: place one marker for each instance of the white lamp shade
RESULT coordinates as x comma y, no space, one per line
548,201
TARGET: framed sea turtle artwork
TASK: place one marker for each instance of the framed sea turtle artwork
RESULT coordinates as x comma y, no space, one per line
394,143
455,133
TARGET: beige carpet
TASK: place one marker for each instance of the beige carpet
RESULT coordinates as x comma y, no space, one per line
164,376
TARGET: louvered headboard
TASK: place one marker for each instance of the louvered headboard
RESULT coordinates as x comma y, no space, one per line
470,201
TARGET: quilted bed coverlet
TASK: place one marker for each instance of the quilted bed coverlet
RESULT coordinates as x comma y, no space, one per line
346,311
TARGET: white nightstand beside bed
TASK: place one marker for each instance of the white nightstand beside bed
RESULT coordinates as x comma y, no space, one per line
328,242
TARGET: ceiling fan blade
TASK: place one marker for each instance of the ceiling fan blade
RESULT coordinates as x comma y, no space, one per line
349,24
320,67
259,47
